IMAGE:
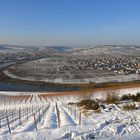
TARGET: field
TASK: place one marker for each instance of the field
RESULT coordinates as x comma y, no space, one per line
46,70
39,116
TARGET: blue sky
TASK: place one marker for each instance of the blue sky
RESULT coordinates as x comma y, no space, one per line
69,22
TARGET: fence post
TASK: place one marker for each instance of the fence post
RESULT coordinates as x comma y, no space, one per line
20,116
39,115
75,113
58,115
8,124
80,118
35,122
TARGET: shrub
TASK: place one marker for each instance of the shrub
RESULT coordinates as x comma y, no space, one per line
71,103
88,104
131,97
125,97
111,98
138,97
128,107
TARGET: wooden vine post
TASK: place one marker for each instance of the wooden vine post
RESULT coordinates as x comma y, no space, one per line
80,118
20,116
35,122
8,124
58,115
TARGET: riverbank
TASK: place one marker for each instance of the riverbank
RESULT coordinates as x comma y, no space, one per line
104,88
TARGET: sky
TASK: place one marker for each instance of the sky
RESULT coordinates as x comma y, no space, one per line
69,22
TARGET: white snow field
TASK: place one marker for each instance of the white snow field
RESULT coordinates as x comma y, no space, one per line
39,117
117,78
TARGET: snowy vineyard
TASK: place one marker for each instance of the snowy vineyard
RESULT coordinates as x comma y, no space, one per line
33,112
36,116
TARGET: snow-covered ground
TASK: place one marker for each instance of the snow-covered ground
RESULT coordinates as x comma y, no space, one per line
23,112
118,78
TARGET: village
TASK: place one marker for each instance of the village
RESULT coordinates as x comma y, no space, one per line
124,65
